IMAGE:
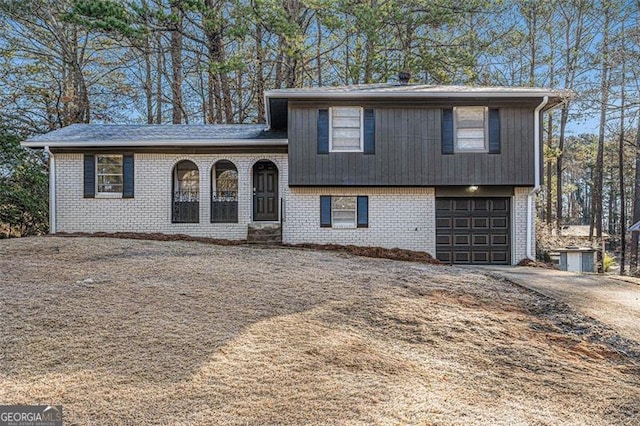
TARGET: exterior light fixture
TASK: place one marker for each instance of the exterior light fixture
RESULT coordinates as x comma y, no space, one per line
473,188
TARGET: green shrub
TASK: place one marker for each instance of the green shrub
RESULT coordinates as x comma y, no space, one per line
607,262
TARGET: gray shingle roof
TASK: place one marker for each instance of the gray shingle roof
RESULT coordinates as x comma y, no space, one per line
417,90
426,90
145,134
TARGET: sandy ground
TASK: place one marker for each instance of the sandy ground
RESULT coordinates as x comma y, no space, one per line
149,332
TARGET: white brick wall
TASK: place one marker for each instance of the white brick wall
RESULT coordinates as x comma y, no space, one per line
150,210
398,217
519,224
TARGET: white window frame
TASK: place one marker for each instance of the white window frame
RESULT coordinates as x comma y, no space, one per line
485,120
361,148
97,174
353,225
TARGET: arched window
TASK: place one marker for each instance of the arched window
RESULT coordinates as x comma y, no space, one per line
224,192
186,193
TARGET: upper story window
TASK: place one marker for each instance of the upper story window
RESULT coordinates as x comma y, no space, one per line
109,176
470,129
346,129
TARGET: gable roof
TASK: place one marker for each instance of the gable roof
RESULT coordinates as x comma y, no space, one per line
126,135
635,227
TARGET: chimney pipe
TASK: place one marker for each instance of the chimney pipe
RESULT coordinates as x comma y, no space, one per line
404,77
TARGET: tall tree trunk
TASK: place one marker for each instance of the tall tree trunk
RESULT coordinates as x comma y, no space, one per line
215,45
533,39
160,71
211,98
176,63
596,221
549,176
564,117
148,81
318,52
623,214
260,83
574,17
636,206
148,58
369,55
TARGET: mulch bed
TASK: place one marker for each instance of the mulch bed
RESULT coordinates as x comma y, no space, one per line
535,264
374,252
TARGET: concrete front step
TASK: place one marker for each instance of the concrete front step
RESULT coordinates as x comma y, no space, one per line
264,233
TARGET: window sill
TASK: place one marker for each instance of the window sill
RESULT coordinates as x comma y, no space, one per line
345,226
346,150
109,195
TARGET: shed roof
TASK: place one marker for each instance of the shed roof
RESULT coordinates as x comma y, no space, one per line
115,135
581,231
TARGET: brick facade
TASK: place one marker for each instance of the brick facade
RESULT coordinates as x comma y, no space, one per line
398,217
150,209
519,224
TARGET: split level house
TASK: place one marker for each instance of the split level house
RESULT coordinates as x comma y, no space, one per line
447,170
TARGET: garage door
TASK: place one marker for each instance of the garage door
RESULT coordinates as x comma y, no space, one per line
473,230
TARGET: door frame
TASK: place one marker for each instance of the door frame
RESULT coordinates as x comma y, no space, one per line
253,191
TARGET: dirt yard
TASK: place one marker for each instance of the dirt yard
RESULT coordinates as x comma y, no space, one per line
153,332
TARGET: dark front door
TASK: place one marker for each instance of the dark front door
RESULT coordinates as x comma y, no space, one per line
265,191
473,230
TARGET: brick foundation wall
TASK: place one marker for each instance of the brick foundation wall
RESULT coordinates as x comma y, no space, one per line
398,218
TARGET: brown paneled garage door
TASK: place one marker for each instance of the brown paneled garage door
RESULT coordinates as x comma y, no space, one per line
473,230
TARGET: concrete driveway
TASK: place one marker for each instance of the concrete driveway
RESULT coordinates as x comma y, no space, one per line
608,300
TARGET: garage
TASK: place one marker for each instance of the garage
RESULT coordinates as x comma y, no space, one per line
473,230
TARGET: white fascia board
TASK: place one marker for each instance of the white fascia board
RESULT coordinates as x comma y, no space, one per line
173,142
417,94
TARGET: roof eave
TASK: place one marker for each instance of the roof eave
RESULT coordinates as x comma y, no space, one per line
125,144
424,95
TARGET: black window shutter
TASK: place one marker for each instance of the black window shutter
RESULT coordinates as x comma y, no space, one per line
363,212
89,176
494,131
127,176
325,211
323,131
447,131
369,132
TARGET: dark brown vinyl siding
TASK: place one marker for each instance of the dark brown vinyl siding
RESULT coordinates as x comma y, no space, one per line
408,151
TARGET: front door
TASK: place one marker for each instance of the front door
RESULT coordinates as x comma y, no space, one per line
265,191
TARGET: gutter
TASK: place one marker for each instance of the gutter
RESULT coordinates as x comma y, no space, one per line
537,137
52,190
425,94
267,110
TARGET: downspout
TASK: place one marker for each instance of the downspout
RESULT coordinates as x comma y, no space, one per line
267,111
537,137
52,190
